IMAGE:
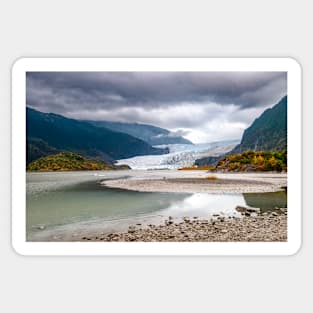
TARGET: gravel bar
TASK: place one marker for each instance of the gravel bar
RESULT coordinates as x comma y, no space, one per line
180,181
266,227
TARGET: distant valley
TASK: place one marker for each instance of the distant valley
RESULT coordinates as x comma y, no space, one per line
142,146
151,134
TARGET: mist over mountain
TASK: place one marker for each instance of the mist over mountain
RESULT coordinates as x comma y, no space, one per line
49,133
148,133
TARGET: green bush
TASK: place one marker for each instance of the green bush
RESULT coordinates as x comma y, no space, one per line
258,161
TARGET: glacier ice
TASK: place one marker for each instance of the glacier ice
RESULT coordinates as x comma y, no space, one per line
179,155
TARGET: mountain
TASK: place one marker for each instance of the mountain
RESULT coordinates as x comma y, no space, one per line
69,161
268,132
148,133
49,133
37,148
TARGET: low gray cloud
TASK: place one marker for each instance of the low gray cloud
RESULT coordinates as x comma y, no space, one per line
179,101
178,133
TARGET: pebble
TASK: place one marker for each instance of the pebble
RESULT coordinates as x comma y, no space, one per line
258,227
131,229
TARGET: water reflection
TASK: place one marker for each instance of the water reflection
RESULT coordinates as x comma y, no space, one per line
65,203
266,201
205,205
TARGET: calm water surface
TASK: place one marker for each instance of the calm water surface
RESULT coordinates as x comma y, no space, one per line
63,206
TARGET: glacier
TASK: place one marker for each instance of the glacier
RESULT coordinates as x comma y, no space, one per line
180,155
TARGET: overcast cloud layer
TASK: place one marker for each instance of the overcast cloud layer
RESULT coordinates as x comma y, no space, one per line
203,106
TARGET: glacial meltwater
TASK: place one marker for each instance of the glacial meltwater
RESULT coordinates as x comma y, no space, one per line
64,206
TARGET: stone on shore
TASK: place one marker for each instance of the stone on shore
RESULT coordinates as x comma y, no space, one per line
250,227
247,209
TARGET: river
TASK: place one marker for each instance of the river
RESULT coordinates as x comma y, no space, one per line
65,206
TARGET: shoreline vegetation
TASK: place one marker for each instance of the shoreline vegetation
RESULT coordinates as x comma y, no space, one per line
248,161
251,227
69,161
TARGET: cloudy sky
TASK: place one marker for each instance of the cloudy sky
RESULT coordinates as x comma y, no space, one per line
202,106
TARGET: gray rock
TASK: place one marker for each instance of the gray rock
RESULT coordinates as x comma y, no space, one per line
253,210
131,229
241,209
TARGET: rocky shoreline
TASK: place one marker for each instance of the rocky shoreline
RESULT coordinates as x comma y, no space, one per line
251,227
